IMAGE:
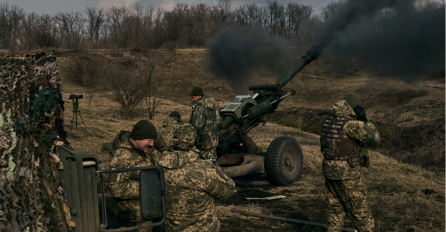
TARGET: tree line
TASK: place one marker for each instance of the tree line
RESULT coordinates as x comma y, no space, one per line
186,25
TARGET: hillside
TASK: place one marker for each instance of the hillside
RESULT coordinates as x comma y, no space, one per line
409,115
403,196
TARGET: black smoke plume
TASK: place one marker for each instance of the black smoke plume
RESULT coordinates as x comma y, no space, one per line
388,38
234,56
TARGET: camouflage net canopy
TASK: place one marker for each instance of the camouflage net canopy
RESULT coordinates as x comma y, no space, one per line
31,123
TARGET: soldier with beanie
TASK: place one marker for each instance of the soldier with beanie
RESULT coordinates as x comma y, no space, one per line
345,133
204,117
192,185
132,152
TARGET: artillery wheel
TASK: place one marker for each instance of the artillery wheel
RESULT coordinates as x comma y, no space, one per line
284,161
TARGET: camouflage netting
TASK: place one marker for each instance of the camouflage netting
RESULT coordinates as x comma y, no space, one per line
31,123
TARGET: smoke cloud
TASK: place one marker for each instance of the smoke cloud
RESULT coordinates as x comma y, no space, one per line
387,38
234,56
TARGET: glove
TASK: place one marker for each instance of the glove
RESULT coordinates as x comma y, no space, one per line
365,158
360,113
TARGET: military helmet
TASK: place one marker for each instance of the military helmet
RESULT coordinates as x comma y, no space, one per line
176,115
353,100
197,91
186,134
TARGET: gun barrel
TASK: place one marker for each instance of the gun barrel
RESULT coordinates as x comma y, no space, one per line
263,87
312,54
288,76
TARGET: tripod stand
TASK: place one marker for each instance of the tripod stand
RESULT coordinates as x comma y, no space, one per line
76,110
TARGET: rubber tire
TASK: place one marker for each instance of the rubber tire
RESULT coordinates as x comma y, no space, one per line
277,152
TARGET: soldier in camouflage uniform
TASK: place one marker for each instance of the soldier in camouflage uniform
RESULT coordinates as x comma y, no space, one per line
204,117
125,186
192,184
165,135
344,134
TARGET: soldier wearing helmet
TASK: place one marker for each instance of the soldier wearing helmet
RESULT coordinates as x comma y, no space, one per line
192,185
165,136
345,132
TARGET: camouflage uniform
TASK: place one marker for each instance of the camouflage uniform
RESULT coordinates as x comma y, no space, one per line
165,136
125,186
344,187
191,186
204,117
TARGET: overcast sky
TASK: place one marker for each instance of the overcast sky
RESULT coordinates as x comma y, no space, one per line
55,6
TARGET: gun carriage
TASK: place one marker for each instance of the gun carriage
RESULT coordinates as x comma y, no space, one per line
237,152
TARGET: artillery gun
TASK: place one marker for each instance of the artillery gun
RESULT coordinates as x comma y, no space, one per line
237,152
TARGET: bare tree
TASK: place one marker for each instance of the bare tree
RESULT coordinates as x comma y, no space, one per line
225,5
118,31
28,36
220,15
157,82
197,25
148,28
175,21
88,71
71,28
295,15
96,19
330,10
11,18
134,79
126,84
158,33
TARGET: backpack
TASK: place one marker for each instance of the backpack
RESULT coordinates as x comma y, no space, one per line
210,132
110,147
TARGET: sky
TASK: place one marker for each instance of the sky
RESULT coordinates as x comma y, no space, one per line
53,7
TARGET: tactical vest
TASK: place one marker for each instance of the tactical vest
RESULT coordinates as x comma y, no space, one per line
335,145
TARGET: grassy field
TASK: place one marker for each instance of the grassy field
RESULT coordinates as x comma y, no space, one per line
405,183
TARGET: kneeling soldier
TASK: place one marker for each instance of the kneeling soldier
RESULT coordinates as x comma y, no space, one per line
192,184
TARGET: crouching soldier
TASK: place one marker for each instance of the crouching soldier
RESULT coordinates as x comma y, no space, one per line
344,133
165,135
192,184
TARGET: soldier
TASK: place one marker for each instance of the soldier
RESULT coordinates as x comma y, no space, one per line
125,186
192,184
205,119
344,133
165,136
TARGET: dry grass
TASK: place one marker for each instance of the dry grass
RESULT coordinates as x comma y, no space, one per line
403,197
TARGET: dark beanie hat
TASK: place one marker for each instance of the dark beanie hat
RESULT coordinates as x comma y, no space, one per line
143,130
353,100
197,91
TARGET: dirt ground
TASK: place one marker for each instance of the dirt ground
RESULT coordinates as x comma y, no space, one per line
402,196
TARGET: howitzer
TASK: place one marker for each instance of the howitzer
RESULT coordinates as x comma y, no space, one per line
237,152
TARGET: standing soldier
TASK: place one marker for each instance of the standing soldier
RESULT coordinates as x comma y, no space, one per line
165,136
205,119
192,184
132,152
344,133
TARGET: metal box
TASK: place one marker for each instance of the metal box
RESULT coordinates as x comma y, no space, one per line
78,173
